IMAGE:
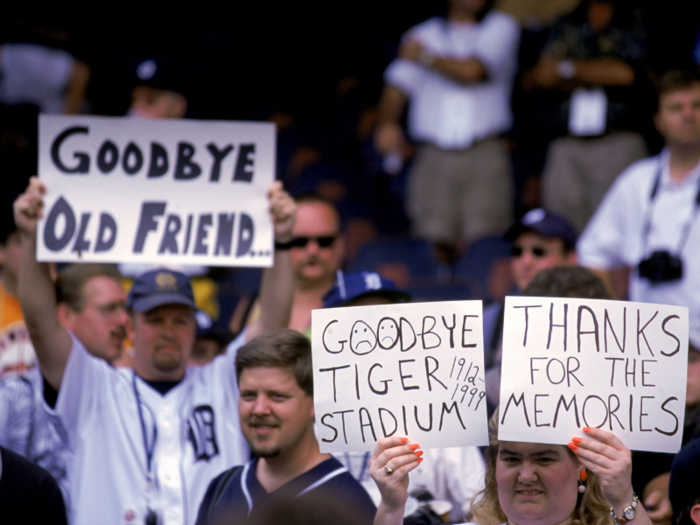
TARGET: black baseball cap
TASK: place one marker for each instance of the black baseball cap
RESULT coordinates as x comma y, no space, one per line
546,224
160,287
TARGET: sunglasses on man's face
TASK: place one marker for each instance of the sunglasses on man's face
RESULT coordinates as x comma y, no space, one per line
517,251
325,241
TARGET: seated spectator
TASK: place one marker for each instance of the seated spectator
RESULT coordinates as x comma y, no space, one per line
276,410
316,250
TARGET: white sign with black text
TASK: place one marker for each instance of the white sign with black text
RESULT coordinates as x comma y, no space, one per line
156,191
574,363
413,370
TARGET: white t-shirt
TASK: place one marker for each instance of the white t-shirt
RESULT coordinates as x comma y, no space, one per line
615,235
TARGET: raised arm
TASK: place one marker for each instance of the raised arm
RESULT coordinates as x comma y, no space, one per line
393,458
607,457
37,294
277,287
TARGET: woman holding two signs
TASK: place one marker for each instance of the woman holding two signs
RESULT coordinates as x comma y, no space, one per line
588,483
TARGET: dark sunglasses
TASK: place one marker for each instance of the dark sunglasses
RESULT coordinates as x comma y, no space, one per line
325,241
517,251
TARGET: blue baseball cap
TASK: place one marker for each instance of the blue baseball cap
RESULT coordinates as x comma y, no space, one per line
159,287
352,286
546,224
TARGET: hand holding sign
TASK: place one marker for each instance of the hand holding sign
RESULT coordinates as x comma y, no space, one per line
393,458
607,457
283,210
570,363
29,207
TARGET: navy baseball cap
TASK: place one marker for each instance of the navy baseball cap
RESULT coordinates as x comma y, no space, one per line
159,287
546,224
352,286
684,486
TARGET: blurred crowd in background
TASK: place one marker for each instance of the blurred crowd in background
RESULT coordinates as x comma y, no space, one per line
316,70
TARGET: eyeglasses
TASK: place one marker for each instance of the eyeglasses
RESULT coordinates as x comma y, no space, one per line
517,251
325,241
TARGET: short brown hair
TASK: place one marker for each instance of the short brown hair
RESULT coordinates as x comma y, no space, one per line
676,80
567,281
284,348
70,284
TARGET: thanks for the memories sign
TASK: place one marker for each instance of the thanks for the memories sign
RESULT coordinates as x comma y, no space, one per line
156,191
413,370
572,363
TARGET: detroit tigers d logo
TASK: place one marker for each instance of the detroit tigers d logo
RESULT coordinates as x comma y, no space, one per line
202,434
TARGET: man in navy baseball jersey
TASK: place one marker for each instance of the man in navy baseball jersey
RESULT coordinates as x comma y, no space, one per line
288,476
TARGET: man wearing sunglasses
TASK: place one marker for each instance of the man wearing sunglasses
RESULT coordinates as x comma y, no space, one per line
316,253
541,240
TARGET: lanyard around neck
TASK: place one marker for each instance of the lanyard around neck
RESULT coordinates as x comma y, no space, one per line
150,448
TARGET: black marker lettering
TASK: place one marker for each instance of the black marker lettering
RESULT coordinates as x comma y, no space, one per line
678,342
83,165
219,156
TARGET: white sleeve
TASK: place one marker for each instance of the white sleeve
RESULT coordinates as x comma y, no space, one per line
404,75
85,381
465,475
497,47
602,244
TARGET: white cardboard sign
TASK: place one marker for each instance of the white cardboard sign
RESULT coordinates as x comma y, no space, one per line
572,363
413,370
156,191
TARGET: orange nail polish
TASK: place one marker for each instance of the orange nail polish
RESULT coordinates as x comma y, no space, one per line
415,446
586,429
403,440
418,453
419,460
573,446
577,440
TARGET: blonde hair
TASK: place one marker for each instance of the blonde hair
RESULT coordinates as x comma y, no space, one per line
592,507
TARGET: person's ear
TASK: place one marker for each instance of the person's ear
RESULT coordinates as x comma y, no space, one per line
179,105
695,514
65,315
